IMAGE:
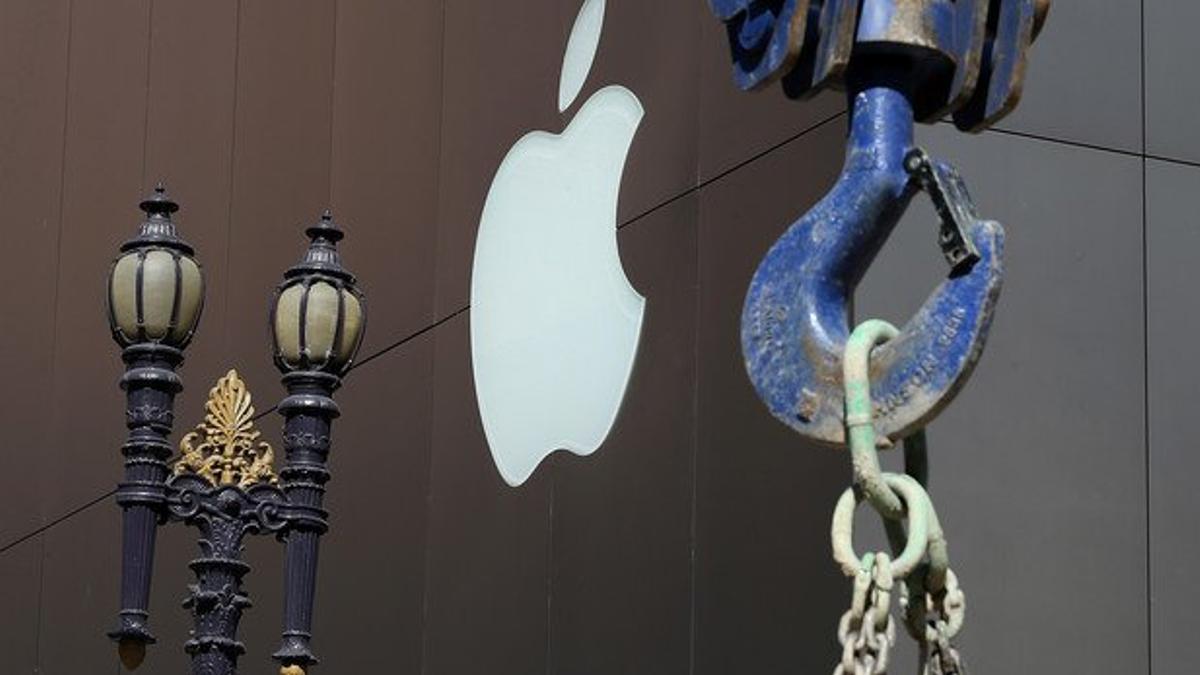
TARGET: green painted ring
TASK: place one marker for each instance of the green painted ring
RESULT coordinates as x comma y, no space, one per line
842,530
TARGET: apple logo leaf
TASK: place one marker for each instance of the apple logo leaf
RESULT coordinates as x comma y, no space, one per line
581,52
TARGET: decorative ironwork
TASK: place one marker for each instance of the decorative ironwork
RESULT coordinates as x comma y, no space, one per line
224,484
225,448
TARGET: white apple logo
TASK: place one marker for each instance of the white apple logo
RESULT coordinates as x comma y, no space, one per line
554,321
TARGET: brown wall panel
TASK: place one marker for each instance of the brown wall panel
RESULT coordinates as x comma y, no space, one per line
767,596
621,554
370,598
80,595
1172,241
488,546
649,48
696,538
281,166
33,71
734,125
189,146
20,601
387,105
78,599
1041,458
102,183
500,80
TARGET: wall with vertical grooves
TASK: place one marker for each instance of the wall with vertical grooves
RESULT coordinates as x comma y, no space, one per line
694,541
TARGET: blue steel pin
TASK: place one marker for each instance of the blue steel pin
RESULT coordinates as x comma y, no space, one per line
901,61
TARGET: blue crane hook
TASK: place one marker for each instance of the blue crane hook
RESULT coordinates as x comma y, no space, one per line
796,318
902,61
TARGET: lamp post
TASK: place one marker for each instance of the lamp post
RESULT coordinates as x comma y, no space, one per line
223,482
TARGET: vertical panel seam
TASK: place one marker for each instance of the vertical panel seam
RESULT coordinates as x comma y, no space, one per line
62,186
1146,408
423,667
437,167
146,110
1148,484
332,101
37,626
700,17
696,319
233,126
437,239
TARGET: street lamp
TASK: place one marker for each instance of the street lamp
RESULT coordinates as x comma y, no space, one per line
223,481
317,324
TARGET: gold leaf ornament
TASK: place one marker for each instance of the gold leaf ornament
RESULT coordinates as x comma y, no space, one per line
225,448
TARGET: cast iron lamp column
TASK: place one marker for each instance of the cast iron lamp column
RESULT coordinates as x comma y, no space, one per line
223,482
317,325
155,297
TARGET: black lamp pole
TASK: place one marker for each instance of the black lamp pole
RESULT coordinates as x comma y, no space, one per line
312,362
153,342
224,482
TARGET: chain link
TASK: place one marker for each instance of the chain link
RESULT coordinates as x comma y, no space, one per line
867,631
944,659
949,608
933,619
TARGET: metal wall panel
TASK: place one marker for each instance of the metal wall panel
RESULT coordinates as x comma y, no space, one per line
485,109
387,109
371,586
735,125
189,145
487,564
767,596
1172,89
33,69
1084,79
78,602
20,604
103,162
1172,242
79,596
651,49
1038,469
645,557
621,527
281,166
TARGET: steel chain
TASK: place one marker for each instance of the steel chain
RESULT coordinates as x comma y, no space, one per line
867,631
933,604
933,619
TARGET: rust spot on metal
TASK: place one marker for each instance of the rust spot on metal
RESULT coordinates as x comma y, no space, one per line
809,404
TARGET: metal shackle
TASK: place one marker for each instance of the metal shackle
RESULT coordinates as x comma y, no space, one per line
964,57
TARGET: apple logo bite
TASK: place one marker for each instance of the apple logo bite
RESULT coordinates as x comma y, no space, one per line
554,321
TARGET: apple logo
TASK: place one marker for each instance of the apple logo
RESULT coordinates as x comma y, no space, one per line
555,322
